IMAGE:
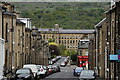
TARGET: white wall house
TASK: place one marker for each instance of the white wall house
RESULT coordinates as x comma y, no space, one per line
2,57
27,22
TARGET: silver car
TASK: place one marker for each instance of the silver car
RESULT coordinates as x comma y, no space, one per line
87,74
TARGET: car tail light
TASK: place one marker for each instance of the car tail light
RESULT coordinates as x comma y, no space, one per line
50,70
41,70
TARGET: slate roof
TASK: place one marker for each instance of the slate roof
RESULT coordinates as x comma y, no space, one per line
84,45
100,23
8,13
67,31
19,22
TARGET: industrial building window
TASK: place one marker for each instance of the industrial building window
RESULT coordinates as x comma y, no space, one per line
68,46
86,53
67,37
76,37
68,41
59,41
65,41
65,46
80,52
62,41
76,41
73,41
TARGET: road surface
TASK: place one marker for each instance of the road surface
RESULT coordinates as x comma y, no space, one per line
65,74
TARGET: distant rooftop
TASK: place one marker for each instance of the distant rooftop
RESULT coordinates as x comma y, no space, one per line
77,31
83,44
100,23
24,18
8,13
19,22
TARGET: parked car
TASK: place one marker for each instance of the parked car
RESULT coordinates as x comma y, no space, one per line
50,62
58,57
51,69
87,74
54,68
77,71
43,71
68,57
33,67
63,64
66,60
53,60
24,73
57,68
47,70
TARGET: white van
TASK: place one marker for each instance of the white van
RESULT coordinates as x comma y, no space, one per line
33,67
2,57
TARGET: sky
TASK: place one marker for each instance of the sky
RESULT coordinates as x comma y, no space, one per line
55,0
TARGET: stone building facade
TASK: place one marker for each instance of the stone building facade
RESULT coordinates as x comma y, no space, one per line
20,45
68,37
107,44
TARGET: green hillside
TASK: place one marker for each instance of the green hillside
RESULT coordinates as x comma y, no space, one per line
72,15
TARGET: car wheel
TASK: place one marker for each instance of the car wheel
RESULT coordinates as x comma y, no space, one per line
74,74
38,77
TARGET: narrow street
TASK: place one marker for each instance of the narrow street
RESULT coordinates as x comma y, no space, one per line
60,40
66,72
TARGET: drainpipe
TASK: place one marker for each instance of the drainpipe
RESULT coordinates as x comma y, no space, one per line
96,51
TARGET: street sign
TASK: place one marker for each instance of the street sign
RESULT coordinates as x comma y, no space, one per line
113,57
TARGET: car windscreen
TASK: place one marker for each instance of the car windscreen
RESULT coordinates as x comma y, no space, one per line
33,68
44,67
50,67
79,68
39,67
87,72
23,71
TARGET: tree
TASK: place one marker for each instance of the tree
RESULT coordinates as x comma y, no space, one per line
62,49
54,49
51,40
